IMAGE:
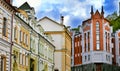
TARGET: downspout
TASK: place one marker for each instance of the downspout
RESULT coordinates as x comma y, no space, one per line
11,40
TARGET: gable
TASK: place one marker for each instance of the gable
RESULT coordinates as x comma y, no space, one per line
50,25
25,6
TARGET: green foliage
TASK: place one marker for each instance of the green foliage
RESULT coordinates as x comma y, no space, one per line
115,23
112,16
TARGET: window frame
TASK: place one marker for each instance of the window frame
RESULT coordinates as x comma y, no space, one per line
4,29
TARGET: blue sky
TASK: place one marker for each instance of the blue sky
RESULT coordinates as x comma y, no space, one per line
74,11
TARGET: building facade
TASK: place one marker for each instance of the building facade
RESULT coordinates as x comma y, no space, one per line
96,47
117,47
22,41
62,41
21,44
6,21
41,47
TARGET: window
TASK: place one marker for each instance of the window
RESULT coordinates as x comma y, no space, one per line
26,60
20,36
106,58
23,59
88,41
75,44
88,46
4,27
15,33
78,43
3,63
88,57
97,26
98,46
119,48
20,58
26,39
56,70
97,36
85,58
85,41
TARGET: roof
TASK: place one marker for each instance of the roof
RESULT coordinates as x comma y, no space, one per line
10,6
50,20
25,6
97,13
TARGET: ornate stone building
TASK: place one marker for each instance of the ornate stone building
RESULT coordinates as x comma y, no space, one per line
6,22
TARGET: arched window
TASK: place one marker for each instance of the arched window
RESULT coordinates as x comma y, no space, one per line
97,36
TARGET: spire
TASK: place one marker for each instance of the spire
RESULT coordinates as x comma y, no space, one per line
102,11
91,10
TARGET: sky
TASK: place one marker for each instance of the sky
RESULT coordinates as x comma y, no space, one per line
74,11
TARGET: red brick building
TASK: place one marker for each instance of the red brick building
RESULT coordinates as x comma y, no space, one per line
96,44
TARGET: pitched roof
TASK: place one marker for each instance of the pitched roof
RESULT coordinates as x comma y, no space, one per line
97,13
51,20
25,6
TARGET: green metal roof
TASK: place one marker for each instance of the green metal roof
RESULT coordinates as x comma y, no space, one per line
25,6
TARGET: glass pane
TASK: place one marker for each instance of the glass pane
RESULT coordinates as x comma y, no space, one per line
98,46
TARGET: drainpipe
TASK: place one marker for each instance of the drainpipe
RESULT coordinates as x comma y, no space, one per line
11,43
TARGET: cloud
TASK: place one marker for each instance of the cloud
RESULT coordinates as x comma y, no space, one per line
33,3
67,20
74,11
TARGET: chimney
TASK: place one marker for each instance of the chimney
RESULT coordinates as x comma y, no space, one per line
62,19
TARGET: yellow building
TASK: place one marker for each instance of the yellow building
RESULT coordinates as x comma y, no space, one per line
62,41
21,43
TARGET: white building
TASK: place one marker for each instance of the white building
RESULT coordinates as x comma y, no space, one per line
6,19
62,42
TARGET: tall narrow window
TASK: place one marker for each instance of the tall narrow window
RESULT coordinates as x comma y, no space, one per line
97,36
15,33
106,41
119,46
24,37
4,31
88,41
3,63
26,40
85,41
26,60
23,62
20,36
21,58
